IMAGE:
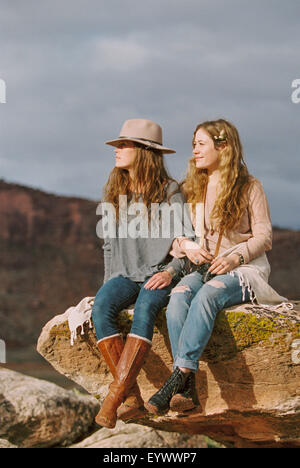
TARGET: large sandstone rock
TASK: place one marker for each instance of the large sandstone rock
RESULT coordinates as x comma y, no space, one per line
36,413
248,379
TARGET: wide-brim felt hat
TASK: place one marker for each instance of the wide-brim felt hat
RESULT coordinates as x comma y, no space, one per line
144,132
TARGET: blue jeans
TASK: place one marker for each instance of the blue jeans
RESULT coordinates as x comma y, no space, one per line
119,293
192,311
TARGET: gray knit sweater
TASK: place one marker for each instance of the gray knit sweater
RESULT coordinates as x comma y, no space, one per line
140,258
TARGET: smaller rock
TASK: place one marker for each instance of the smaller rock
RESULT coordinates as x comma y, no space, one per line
136,436
5,444
37,413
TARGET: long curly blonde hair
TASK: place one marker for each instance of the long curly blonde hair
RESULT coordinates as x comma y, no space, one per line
235,178
150,178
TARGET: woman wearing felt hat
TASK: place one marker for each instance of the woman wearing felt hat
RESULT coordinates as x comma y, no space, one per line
137,269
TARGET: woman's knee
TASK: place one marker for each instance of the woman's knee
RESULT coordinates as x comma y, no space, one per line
179,298
178,304
212,290
211,297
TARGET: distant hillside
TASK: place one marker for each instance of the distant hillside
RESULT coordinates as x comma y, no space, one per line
285,262
51,258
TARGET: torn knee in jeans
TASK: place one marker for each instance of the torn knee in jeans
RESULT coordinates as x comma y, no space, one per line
179,289
216,284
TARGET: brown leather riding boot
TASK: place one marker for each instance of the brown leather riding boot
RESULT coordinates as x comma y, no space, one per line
128,368
111,349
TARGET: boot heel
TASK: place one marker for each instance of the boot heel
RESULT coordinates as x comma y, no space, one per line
180,403
153,409
126,412
188,398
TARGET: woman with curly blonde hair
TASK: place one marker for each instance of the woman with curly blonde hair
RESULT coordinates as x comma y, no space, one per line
138,269
233,230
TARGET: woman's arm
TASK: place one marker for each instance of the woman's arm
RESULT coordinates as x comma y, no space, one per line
183,246
164,278
261,229
175,266
177,249
260,222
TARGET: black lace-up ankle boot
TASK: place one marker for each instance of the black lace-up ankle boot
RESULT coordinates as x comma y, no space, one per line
159,403
188,398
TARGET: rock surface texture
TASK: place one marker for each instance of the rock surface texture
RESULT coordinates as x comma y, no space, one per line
247,383
36,413
136,436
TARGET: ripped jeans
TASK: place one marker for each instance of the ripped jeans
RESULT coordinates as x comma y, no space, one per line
192,311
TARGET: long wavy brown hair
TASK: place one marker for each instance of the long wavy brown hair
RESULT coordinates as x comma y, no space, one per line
150,179
235,178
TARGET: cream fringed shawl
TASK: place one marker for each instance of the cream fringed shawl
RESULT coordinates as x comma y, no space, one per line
254,275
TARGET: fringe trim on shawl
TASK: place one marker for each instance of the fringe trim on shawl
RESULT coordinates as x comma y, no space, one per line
245,284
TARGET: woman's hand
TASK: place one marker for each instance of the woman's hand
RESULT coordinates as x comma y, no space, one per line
222,265
195,253
159,280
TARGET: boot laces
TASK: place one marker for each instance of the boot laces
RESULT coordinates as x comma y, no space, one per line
174,383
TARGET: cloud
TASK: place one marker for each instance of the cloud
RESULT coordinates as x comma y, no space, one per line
117,55
76,70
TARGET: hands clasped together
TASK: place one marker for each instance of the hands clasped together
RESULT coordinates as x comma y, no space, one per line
198,255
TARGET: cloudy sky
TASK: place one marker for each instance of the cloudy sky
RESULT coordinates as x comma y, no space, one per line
76,69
